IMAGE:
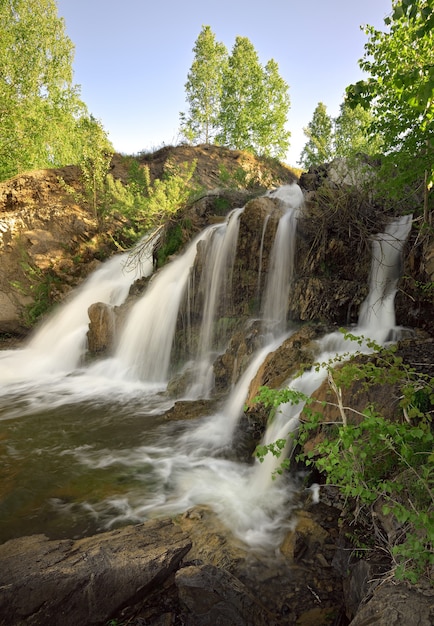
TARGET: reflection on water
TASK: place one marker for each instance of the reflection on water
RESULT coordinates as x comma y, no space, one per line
57,461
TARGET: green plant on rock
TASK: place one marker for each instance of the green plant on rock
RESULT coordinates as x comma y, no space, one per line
146,203
250,175
173,239
375,461
40,286
95,161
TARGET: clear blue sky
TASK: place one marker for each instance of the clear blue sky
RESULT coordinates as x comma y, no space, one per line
132,56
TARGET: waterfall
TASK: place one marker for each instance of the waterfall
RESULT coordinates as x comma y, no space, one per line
275,304
145,344
217,430
215,283
60,343
261,249
106,418
377,313
376,321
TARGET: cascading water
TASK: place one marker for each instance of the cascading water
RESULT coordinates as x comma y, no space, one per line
261,249
275,305
146,342
216,277
60,343
108,454
377,313
376,321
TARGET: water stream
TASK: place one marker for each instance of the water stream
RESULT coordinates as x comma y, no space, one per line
84,447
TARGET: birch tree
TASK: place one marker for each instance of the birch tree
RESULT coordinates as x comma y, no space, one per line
203,89
319,147
40,107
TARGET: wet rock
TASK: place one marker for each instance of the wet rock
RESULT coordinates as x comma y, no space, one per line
284,362
258,225
249,432
212,542
190,409
305,538
65,583
101,327
229,367
333,301
213,596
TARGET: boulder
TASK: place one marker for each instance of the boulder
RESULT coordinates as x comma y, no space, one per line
101,331
65,583
284,362
395,604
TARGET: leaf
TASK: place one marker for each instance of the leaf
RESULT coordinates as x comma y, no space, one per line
398,12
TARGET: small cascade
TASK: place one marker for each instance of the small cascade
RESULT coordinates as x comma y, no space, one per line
145,344
215,284
217,431
377,313
261,250
275,303
282,267
59,345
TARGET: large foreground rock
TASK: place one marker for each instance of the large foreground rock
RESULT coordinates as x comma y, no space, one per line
87,581
396,605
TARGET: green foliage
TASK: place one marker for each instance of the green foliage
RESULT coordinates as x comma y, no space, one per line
373,460
39,285
390,462
234,100
95,159
400,93
273,398
173,240
203,88
319,148
351,134
146,203
221,206
254,104
238,178
271,136
346,136
40,111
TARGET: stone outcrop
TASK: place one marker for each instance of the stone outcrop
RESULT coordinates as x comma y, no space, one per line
40,228
394,604
298,586
102,325
258,225
280,365
66,583
48,230
214,596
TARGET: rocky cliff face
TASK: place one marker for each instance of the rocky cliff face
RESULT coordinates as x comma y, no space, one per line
50,239
40,226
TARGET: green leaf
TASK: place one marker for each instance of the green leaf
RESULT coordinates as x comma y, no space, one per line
398,12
